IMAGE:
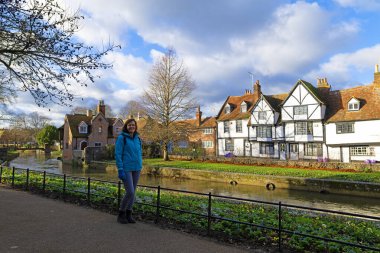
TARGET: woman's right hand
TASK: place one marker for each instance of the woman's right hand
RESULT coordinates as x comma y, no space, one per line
121,174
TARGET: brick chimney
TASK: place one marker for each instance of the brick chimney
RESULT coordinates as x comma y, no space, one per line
198,116
101,107
89,113
376,79
256,91
323,84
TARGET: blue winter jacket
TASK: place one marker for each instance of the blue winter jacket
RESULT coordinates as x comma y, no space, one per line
128,152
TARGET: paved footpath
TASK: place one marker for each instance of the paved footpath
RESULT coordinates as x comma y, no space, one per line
33,223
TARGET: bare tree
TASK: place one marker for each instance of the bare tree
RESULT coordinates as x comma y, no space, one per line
39,55
169,97
133,108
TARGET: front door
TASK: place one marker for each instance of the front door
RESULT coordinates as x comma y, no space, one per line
293,151
247,149
282,148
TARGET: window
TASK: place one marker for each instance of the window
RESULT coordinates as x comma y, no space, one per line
294,148
361,151
300,110
243,107
207,144
229,145
226,127
117,130
282,147
266,148
353,107
207,131
239,126
227,109
262,115
343,128
98,144
83,129
313,149
100,129
264,131
304,128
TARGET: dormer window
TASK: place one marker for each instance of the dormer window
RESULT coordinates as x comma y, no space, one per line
83,128
353,104
227,109
243,107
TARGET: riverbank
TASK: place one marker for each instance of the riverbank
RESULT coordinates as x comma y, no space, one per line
271,182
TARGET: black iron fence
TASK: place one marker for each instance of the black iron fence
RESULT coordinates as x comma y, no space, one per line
109,194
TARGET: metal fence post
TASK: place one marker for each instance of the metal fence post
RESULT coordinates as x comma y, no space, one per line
64,186
1,173
89,191
27,179
44,182
158,203
118,195
209,214
13,176
279,227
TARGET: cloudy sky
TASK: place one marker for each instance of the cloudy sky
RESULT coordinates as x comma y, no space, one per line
220,41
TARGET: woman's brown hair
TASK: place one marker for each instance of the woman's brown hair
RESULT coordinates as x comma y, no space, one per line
125,129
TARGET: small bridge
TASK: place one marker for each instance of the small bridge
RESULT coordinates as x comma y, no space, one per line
33,148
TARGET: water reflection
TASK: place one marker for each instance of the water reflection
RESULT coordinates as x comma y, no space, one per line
352,204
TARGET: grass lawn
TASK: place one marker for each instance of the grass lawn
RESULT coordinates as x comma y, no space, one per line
273,171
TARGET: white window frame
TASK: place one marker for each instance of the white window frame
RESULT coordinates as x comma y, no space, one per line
207,144
97,144
313,149
207,130
300,110
361,151
266,148
262,115
100,129
345,128
83,128
353,106
303,128
243,107
226,126
239,126
264,132
229,145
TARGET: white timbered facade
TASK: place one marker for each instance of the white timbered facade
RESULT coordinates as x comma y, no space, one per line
302,115
266,136
314,123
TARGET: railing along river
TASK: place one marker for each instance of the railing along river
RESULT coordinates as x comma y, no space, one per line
108,194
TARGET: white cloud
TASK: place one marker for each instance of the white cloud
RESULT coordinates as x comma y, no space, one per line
367,5
348,68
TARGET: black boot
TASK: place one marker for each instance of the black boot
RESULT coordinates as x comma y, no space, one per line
121,218
129,217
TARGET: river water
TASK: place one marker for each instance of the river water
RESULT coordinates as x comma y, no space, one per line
359,205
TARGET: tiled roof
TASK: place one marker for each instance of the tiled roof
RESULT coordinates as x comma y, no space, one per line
75,120
205,122
236,102
337,104
276,100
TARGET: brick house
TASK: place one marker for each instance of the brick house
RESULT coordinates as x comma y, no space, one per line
88,130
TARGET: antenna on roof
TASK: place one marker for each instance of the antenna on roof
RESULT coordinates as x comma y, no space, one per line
251,74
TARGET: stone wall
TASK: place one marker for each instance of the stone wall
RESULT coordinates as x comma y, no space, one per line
95,154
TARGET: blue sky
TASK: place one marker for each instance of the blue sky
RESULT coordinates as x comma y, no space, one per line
220,41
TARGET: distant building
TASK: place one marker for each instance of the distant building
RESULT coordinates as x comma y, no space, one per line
88,130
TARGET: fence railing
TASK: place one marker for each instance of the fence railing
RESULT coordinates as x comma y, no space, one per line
109,194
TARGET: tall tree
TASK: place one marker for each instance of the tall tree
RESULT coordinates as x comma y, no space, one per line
169,97
39,54
133,108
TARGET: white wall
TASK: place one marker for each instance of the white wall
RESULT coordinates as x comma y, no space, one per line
365,132
232,126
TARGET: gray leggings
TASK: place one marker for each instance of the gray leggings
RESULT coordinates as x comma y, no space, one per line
130,185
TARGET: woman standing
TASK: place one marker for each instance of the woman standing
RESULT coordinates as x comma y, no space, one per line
128,154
